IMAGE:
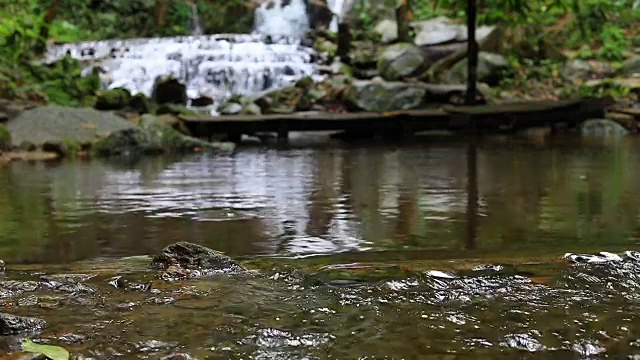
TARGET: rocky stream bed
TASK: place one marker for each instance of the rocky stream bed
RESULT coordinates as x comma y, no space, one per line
195,303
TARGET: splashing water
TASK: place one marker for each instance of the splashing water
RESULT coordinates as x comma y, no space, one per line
276,18
215,66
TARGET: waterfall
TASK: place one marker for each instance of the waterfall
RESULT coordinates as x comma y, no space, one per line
196,29
282,17
216,66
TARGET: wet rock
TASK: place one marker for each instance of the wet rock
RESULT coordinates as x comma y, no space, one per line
30,300
3,266
152,137
141,104
154,346
400,61
189,257
178,357
169,90
175,109
491,68
14,325
385,96
28,356
5,139
577,69
71,338
113,99
67,278
202,101
602,128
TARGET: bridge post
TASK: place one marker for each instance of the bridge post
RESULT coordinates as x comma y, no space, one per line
283,132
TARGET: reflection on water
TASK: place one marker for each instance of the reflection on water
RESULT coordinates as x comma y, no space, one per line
328,199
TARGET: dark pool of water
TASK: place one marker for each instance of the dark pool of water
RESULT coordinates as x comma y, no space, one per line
433,203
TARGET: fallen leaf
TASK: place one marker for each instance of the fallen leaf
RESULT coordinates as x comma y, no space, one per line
51,351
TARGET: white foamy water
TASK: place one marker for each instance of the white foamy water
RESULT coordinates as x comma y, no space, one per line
215,66
273,18
211,65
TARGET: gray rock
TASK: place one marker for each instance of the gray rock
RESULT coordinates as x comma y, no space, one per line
251,109
443,30
437,31
14,325
388,30
189,256
399,61
57,123
380,96
576,69
231,108
602,128
631,66
490,69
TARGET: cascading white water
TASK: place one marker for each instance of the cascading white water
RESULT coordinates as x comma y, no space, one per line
215,66
275,18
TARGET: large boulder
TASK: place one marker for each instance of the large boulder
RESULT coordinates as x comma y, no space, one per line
491,68
54,123
15,325
191,260
576,70
388,30
113,99
152,136
399,61
168,90
602,128
381,96
319,14
631,66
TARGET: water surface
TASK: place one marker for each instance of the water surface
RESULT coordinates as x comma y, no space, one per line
391,212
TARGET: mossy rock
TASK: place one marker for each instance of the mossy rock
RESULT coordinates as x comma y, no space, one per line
5,139
175,109
114,99
141,104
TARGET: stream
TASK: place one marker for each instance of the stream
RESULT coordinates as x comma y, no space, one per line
435,249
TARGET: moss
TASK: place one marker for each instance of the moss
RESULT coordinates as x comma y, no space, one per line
141,104
175,109
72,147
5,139
114,99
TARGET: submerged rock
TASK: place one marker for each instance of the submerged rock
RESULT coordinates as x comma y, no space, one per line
14,325
186,259
602,128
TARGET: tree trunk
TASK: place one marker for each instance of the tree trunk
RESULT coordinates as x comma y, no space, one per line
403,18
43,35
472,63
162,7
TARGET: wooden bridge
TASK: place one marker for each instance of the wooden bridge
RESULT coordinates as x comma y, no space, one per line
502,118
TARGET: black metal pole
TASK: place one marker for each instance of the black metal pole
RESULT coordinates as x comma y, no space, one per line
472,53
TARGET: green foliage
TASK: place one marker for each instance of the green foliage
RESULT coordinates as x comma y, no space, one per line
614,43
